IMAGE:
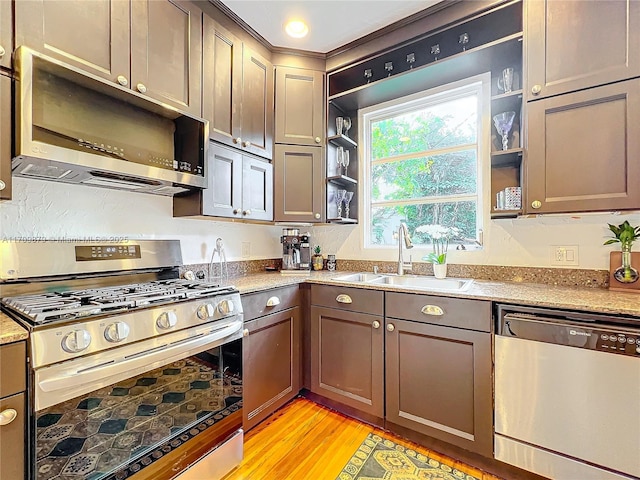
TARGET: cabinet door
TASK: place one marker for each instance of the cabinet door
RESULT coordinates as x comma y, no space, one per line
438,382
222,83
347,358
93,36
257,189
166,52
6,34
271,364
5,137
299,184
223,198
574,45
257,104
299,112
12,439
583,150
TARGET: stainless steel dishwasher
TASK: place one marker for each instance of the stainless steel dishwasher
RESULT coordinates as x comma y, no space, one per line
567,393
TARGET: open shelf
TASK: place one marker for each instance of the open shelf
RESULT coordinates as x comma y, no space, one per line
342,180
505,213
342,141
342,220
501,158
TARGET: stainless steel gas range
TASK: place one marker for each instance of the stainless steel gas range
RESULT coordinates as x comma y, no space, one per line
134,372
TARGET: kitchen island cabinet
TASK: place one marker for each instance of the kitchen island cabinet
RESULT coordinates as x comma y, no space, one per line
272,354
347,345
12,410
5,137
151,46
238,90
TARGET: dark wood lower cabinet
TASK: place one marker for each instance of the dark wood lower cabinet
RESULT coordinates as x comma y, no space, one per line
438,382
347,360
272,364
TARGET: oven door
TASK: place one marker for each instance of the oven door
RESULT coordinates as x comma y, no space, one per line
145,411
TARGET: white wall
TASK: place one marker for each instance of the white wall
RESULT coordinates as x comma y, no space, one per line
52,210
55,210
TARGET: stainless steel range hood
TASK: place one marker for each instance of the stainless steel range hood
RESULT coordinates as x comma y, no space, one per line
74,127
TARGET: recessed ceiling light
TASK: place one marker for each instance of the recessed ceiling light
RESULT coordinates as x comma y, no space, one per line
296,28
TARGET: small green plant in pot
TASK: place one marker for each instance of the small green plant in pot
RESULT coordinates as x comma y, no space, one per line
440,236
317,260
625,234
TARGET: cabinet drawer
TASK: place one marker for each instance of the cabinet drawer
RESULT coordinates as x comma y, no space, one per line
453,312
258,304
346,298
13,361
12,439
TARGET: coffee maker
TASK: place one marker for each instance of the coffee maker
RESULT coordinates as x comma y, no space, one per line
296,250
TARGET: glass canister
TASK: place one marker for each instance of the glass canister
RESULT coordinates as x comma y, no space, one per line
331,263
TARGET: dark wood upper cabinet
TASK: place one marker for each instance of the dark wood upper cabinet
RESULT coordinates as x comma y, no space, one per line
299,183
584,150
238,92
571,45
299,106
257,189
166,52
225,173
93,36
6,34
5,137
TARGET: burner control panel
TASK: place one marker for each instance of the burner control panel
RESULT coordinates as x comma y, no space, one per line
106,252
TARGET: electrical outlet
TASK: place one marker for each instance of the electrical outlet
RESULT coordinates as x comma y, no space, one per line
564,255
246,249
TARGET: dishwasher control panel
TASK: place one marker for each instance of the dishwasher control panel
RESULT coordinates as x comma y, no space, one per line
618,342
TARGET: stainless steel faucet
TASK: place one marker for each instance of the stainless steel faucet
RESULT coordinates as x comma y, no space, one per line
403,236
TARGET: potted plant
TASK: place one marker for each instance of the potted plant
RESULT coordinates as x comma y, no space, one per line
440,236
625,234
317,259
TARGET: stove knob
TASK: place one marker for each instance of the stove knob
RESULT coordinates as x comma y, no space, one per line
116,332
226,307
76,341
167,320
205,311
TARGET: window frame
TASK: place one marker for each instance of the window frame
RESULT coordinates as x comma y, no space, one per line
479,84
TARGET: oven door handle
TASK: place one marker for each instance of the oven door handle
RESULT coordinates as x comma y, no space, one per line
70,379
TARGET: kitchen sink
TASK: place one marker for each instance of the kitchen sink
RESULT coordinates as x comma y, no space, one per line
358,277
427,283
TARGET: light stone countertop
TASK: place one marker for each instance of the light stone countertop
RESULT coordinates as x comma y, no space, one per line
10,331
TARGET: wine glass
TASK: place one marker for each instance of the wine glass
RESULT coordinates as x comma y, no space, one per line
339,197
347,199
347,125
504,122
345,161
340,158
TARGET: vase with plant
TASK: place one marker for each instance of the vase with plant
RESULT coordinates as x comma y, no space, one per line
625,234
440,236
317,260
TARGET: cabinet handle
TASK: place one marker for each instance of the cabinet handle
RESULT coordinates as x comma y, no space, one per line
237,140
2,185
2,51
122,80
317,216
536,204
141,88
246,212
317,139
245,332
391,327
536,89
236,211
375,324
7,416
432,310
273,301
246,144
343,298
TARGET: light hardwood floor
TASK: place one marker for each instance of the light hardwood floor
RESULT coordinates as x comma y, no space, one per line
306,441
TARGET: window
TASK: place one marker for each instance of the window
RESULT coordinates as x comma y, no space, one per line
423,157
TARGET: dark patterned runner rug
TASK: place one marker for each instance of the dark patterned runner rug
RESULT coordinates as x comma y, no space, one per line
381,459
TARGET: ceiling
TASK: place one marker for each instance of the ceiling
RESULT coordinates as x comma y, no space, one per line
332,23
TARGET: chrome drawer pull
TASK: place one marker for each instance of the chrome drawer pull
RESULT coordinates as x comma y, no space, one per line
343,298
7,416
273,301
432,310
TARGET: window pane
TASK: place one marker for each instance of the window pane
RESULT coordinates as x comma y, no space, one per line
385,220
453,173
438,126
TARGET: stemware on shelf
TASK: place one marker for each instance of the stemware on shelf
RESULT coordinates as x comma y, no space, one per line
347,199
345,161
339,198
347,125
339,125
503,122
340,158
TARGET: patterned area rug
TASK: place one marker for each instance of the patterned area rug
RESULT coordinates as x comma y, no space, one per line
381,459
